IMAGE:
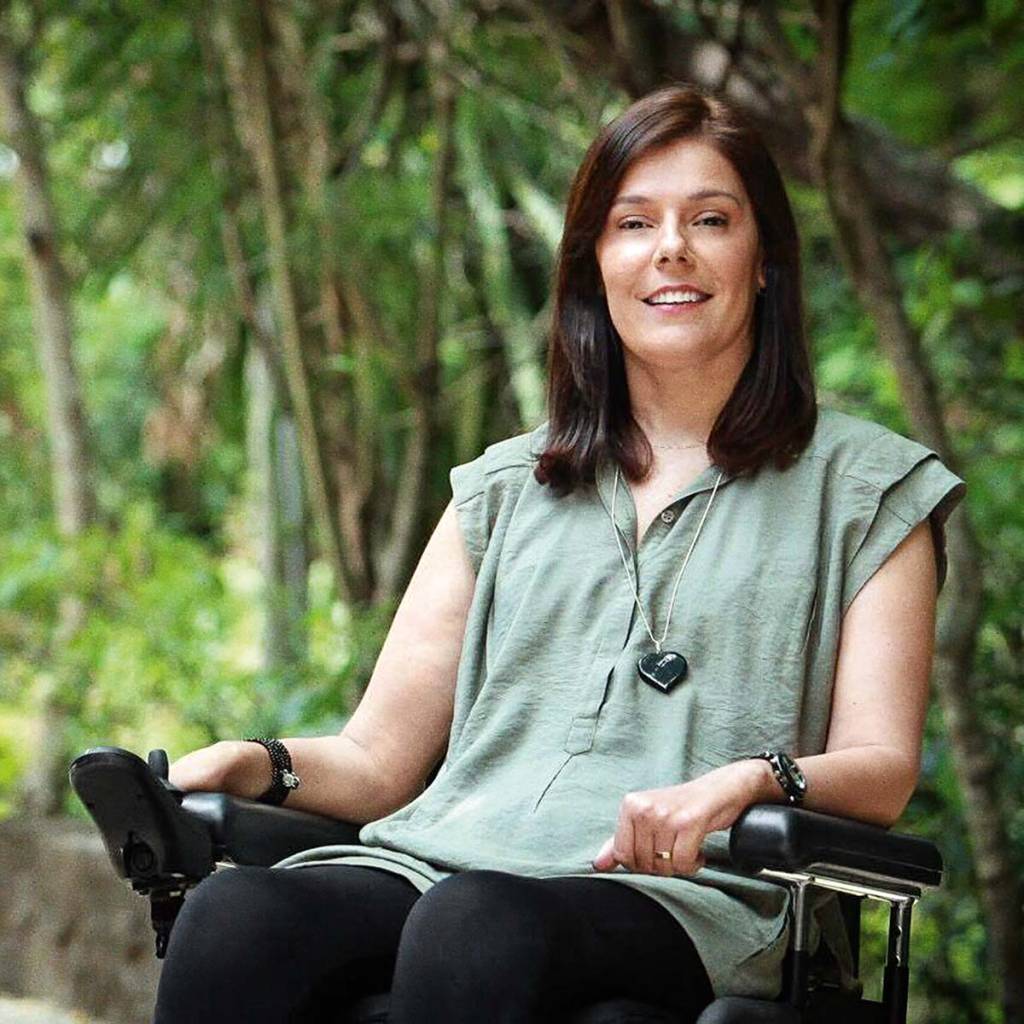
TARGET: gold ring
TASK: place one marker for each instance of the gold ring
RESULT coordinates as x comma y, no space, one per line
663,854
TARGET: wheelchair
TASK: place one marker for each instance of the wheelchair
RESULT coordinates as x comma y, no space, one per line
164,842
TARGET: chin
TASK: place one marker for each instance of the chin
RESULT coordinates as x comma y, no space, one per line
671,353
674,348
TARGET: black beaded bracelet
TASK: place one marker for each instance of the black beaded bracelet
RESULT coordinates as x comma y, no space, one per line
284,779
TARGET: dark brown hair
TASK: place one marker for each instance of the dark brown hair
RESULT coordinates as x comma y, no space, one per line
771,413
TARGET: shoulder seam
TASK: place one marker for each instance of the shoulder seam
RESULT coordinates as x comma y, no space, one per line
844,474
884,505
495,463
508,464
869,441
851,473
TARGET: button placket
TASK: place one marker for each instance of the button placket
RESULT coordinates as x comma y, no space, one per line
583,724
657,566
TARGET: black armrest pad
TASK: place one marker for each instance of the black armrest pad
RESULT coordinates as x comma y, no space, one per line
148,838
248,832
793,839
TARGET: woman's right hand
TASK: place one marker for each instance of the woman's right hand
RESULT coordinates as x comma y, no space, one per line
229,766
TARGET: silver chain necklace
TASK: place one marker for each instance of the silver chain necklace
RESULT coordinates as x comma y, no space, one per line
662,670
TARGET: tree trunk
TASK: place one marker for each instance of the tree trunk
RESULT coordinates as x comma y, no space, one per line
860,243
410,499
273,450
44,784
74,503
473,392
505,309
349,429
277,498
245,58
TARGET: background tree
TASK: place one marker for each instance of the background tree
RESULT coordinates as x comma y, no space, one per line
72,489
307,251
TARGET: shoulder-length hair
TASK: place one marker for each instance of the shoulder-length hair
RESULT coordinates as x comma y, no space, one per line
771,413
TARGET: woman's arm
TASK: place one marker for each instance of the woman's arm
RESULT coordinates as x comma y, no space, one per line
872,754
399,731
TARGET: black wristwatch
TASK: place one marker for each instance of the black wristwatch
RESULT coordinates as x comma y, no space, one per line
284,780
788,775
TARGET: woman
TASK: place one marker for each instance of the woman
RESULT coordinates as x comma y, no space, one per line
625,628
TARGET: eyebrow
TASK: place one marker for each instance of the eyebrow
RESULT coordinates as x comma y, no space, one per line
704,193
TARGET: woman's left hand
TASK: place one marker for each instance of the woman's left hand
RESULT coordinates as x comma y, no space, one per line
677,818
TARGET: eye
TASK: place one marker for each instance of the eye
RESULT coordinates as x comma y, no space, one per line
714,220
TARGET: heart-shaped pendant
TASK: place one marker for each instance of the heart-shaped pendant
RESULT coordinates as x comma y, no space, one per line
662,671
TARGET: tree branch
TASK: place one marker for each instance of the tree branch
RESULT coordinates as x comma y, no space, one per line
859,239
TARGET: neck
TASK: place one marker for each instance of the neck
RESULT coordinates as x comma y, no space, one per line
678,405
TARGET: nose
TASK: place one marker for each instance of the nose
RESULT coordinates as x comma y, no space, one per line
672,245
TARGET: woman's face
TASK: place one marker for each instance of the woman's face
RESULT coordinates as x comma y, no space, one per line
682,220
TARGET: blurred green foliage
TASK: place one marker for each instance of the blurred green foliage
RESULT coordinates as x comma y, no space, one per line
168,654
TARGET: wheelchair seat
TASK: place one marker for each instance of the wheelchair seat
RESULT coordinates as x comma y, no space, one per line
164,842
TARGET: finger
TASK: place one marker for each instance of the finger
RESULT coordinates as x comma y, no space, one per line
664,841
605,860
686,856
625,842
643,842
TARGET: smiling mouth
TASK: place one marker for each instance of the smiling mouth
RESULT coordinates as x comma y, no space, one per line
676,303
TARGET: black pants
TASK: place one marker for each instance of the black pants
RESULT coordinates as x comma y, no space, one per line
268,946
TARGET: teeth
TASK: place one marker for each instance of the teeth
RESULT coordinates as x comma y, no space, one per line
679,296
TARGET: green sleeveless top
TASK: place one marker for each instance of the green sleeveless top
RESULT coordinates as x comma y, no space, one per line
553,726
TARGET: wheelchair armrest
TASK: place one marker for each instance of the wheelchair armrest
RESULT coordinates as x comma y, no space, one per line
248,832
164,841
161,839
150,842
790,839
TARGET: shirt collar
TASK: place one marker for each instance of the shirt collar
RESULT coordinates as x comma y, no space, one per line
625,510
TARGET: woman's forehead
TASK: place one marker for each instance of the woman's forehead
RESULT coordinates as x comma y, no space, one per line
687,168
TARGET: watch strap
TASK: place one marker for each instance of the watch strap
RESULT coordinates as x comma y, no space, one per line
283,779
779,761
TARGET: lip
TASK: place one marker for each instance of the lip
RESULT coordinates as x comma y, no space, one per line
683,286
682,309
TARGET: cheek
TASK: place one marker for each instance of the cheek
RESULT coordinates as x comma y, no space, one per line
623,260
737,264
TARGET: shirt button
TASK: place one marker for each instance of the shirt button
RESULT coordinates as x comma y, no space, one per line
668,516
